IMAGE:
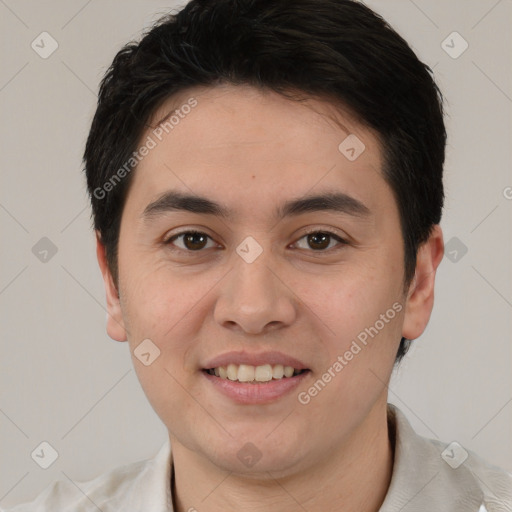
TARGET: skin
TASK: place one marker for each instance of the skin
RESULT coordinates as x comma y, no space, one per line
251,151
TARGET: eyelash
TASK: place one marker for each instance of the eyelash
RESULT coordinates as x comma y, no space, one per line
341,242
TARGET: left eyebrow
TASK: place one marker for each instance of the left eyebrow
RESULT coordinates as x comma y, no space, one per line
329,201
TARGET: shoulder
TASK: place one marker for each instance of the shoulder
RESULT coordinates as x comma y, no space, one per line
494,483
122,488
84,496
454,477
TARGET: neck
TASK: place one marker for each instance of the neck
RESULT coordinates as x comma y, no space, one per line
355,477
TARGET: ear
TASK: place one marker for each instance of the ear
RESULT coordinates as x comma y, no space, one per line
420,297
115,324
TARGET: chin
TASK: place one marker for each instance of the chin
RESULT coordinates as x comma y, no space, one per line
256,455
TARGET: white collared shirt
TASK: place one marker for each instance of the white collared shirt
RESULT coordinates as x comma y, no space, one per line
428,475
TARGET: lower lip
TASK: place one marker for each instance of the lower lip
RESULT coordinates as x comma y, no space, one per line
259,393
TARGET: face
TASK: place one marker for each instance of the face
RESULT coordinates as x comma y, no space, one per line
262,278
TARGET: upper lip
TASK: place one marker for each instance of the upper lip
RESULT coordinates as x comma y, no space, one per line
254,359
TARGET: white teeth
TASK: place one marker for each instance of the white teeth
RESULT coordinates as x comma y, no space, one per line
232,372
288,371
278,371
245,373
263,373
249,373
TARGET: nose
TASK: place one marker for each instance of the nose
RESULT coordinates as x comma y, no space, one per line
255,299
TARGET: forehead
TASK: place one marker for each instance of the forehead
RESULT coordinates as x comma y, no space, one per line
244,114
248,145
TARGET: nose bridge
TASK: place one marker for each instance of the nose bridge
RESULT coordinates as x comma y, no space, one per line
255,297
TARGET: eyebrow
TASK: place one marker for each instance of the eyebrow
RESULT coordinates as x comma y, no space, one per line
329,201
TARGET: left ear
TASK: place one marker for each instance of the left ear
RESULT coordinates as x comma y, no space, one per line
420,297
115,322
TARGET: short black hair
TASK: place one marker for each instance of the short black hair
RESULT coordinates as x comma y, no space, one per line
335,49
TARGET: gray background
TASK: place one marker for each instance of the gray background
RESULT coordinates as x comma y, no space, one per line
65,382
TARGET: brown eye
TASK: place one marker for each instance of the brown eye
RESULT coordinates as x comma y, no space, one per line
321,240
191,240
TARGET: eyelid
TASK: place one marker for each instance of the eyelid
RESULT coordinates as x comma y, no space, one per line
169,238
326,230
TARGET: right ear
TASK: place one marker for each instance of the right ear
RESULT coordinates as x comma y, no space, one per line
115,324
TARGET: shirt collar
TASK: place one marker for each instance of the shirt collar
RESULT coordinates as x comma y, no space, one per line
151,490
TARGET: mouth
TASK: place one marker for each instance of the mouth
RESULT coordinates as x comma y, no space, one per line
250,374
266,381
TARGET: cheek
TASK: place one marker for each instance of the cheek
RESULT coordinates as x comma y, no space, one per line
360,313
163,309
158,301
349,300
170,309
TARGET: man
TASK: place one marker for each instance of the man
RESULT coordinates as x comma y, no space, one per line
266,185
